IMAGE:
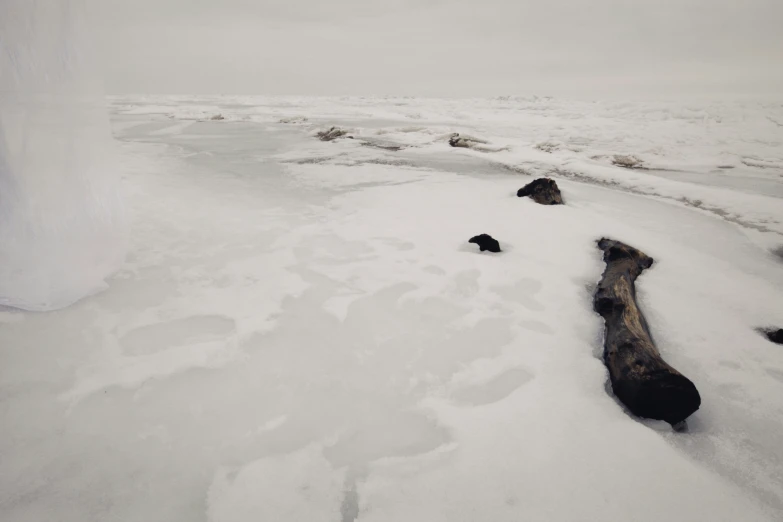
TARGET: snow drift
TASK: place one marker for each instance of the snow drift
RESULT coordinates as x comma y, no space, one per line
61,219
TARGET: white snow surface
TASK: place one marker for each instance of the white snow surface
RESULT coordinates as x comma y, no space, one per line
301,331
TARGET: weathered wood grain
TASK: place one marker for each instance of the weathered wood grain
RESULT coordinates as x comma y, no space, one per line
640,378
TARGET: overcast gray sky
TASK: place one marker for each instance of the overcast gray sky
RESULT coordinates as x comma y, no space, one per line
439,47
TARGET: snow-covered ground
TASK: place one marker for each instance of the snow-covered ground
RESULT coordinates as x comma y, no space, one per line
301,331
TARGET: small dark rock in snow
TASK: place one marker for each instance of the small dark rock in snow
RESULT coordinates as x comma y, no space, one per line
294,119
776,336
331,134
626,162
543,191
217,117
466,142
486,242
456,141
548,146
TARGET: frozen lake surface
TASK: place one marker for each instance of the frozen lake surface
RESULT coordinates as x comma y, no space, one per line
301,331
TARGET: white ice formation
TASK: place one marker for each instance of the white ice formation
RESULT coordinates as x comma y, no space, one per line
61,219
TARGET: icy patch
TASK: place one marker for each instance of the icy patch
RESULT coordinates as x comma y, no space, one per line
193,330
172,129
386,433
158,351
500,387
763,163
518,489
298,486
294,120
365,174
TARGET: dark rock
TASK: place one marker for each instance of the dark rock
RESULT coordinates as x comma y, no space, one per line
627,162
543,190
467,142
486,242
548,146
776,336
456,141
647,385
331,134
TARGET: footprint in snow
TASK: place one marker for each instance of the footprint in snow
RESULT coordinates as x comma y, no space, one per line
196,329
498,388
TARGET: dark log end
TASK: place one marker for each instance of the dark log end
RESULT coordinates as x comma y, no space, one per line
776,336
543,191
617,250
603,305
661,395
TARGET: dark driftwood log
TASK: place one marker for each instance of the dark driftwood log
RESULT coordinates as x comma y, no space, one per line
641,379
543,190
